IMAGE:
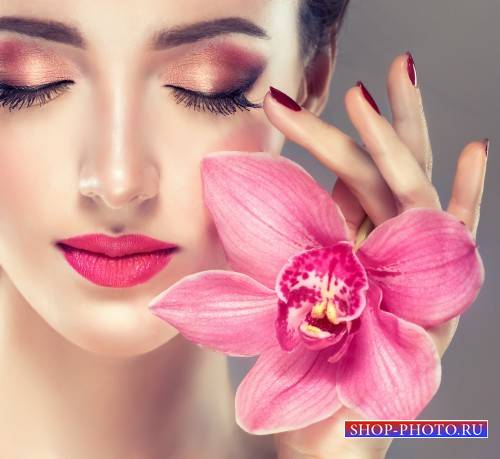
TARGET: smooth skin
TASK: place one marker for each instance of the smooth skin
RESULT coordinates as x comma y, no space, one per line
390,174
88,371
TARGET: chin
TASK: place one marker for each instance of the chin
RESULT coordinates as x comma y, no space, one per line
116,330
109,322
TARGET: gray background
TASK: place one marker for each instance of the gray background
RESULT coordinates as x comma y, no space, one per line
456,47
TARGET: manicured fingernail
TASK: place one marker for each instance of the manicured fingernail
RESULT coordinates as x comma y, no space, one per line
486,142
285,100
462,222
368,96
410,67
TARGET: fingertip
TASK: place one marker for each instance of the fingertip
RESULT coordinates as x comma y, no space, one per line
482,146
353,95
368,97
486,145
468,185
281,109
398,69
284,99
268,101
477,149
358,99
355,104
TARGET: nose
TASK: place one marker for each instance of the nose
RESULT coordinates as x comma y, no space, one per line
116,170
119,182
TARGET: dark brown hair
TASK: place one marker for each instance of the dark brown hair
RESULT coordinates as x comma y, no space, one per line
317,20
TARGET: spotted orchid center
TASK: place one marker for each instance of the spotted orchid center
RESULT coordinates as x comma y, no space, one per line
322,293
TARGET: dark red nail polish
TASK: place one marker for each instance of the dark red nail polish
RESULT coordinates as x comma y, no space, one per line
285,100
486,142
368,96
462,222
410,67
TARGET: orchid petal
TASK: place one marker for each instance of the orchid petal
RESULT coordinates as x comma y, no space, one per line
221,310
426,263
286,390
391,369
267,208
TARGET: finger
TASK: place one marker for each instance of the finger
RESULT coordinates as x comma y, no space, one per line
339,153
468,184
443,334
464,204
394,160
349,205
408,117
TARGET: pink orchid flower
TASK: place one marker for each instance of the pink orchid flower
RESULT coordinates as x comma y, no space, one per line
332,324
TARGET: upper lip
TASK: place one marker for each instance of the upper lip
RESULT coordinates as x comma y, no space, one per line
116,246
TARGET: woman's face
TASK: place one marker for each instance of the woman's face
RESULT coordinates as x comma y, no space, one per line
115,150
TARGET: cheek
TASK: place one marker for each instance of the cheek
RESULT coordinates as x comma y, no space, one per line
16,183
27,181
258,135
32,182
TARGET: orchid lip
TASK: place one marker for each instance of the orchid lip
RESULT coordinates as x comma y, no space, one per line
321,291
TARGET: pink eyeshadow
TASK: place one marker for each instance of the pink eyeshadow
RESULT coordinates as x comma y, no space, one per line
236,55
22,64
214,67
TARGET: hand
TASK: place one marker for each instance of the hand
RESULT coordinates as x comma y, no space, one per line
389,174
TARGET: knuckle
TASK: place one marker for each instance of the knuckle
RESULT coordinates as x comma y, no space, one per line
415,193
410,194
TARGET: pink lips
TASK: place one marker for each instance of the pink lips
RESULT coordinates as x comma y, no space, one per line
117,262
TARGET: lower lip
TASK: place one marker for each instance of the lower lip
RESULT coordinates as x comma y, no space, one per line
117,272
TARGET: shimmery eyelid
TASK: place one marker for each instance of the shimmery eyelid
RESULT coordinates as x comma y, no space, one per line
24,64
238,87
207,80
214,68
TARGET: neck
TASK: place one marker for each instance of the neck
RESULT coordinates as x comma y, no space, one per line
74,403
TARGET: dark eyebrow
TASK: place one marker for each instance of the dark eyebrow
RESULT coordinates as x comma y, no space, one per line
179,35
166,38
48,30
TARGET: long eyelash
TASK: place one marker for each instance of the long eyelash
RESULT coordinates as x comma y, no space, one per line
25,96
224,103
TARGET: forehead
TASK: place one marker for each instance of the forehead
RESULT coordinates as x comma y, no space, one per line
135,18
121,30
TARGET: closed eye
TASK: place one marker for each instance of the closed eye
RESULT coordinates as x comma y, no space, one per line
223,103
17,97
